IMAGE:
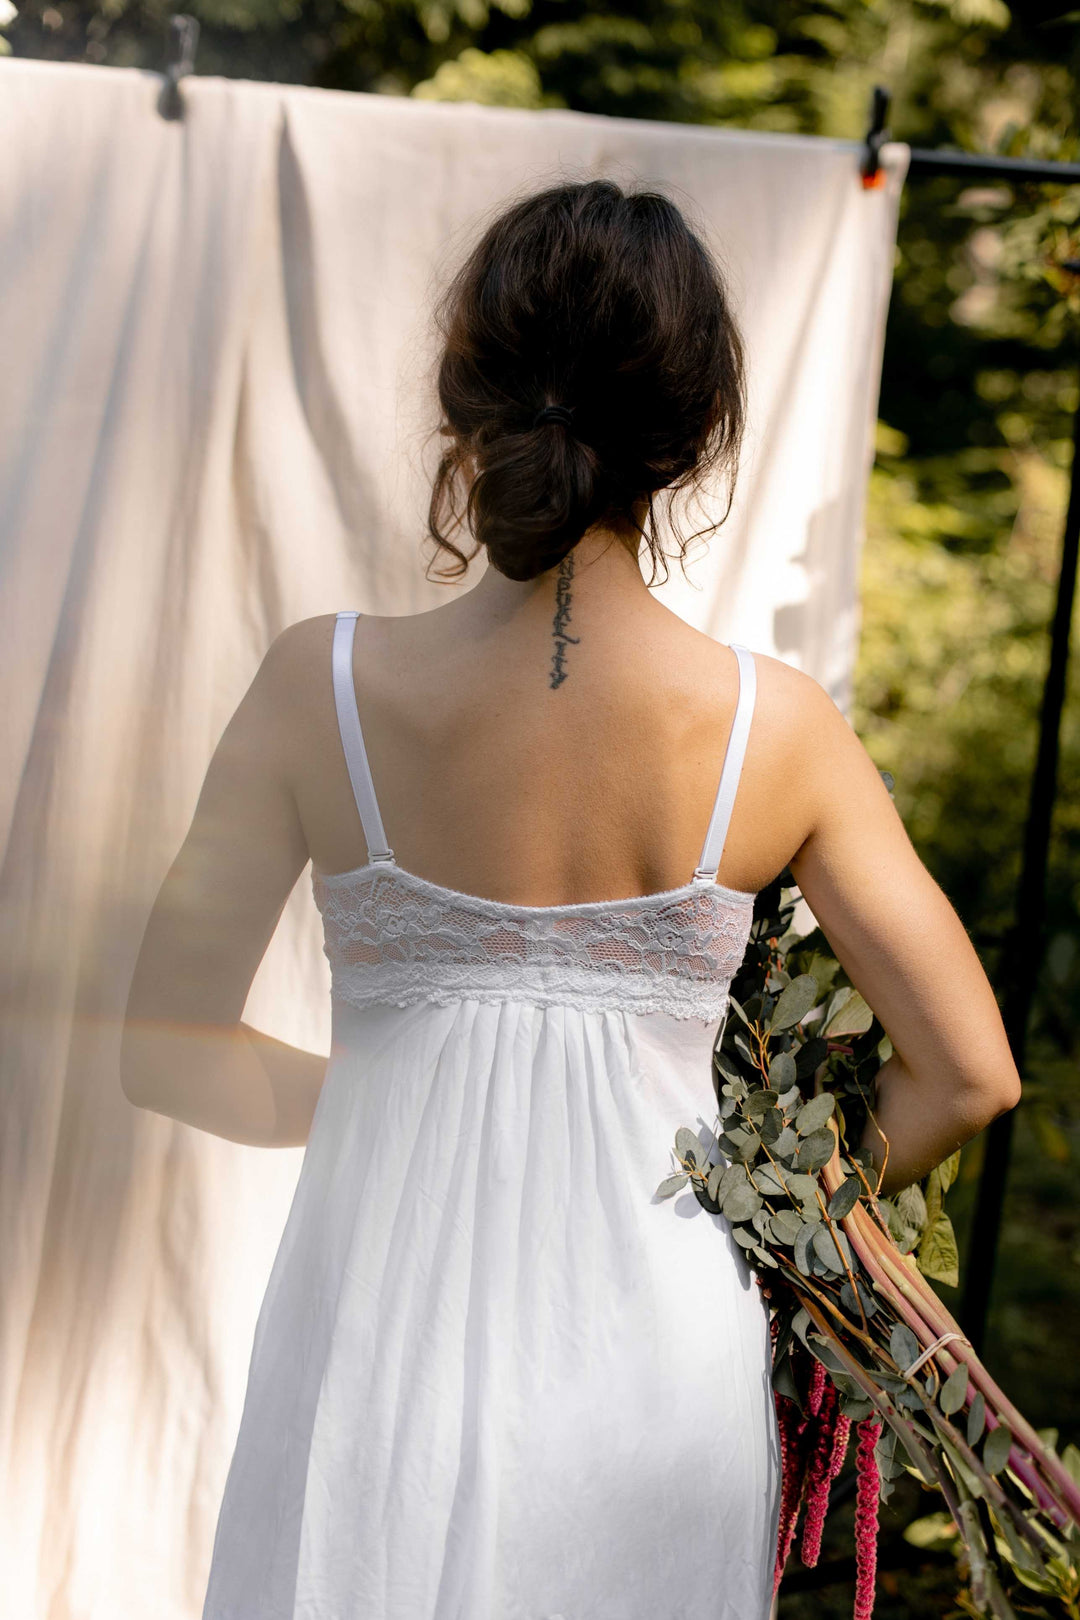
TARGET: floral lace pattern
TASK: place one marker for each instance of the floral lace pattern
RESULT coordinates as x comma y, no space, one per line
391,936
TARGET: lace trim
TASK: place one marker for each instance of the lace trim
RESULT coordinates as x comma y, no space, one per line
391,936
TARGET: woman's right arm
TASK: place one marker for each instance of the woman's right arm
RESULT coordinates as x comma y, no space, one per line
905,950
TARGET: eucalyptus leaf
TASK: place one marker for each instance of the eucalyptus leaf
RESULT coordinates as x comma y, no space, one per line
845,1198
802,1186
856,1408
733,1176
767,1181
816,1150
737,1009
716,1175
810,1056
671,1185
786,1226
687,1145
903,1346
813,1114
786,1144
761,1221
742,1047
794,1002
746,1239
727,1069
741,1202
771,1126
996,1448
826,1249
741,1144
763,1255
782,1072
976,1420
760,1103
790,1097
702,1195
850,1303
804,1248
953,1392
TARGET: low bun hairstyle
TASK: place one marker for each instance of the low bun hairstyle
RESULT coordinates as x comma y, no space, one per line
605,303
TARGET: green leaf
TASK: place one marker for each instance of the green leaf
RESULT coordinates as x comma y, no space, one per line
903,1345
804,1247
810,1055
953,1392
912,1206
737,1009
785,1144
741,1202
813,1115
760,1103
976,1418
741,1144
934,1532
782,1072
801,1185
845,1198
996,1448
948,1170
789,1098
687,1145
853,1017
937,1254
767,1181
816,1150
794,1002
826,1250
671,1185
716,1175
785,1226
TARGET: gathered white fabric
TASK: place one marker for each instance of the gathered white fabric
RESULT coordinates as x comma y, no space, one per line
392,936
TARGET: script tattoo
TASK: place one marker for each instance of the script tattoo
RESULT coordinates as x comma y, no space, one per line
562,619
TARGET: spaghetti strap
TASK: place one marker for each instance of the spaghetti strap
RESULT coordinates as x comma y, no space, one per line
352,739
731,770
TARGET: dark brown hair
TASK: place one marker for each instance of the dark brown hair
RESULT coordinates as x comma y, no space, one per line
605,302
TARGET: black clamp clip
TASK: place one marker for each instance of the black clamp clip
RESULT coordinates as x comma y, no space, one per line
179,62
872,174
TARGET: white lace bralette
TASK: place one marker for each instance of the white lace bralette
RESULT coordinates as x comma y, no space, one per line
391,936
394,937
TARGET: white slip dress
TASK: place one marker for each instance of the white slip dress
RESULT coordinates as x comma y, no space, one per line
493,1376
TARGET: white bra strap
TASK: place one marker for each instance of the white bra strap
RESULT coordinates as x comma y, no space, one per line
352,739
731,769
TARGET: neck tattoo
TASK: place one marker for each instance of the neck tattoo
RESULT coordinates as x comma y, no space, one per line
562,619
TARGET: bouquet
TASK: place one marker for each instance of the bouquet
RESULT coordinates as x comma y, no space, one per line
860,1337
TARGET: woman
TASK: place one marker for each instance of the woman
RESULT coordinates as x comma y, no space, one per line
493,1377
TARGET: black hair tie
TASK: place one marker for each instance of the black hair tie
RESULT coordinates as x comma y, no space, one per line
554,413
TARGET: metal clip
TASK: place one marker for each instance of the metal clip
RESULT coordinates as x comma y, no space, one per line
179,62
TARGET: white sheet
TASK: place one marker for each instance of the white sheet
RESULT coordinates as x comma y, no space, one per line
211,425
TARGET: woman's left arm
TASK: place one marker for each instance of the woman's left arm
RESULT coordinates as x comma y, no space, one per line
184,1051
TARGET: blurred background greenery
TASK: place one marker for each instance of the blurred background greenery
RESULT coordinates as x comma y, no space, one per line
967,496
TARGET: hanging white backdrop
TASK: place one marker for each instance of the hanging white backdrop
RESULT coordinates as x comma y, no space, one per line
215,345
